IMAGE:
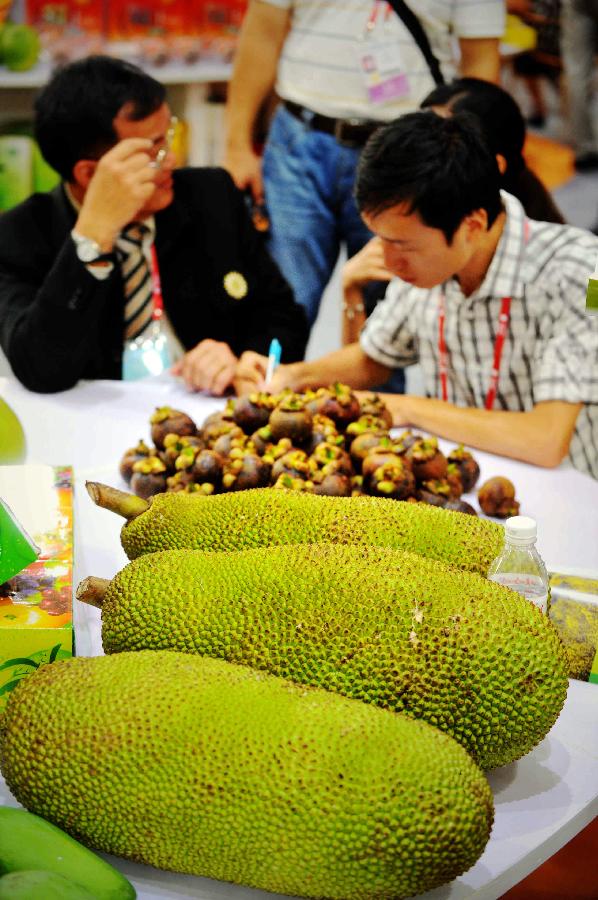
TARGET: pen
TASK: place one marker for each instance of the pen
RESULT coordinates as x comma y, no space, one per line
273,360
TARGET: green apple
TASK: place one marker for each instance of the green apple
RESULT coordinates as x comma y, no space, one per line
19,46
12,438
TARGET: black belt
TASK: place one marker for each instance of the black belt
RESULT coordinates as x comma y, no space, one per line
349,132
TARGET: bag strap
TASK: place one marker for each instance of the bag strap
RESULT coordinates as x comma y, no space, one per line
414,26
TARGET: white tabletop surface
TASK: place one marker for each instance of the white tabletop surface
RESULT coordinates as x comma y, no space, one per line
91,425
541,801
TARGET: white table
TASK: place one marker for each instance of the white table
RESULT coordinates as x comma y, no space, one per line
542,801
92,425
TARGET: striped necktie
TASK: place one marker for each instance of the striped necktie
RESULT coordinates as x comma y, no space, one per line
137,279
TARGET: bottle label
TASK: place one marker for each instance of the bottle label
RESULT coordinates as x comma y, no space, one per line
532,587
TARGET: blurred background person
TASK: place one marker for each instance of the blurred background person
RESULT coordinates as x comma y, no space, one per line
579,42
541,63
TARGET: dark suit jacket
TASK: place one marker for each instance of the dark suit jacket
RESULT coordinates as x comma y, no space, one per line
59,324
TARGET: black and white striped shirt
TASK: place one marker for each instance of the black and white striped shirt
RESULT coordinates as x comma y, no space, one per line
551,349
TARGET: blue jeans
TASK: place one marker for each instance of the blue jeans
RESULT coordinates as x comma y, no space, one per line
309,179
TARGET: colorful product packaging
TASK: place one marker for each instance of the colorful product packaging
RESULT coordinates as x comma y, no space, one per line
574,612
36,623
69,29
128,20
218,23
16,169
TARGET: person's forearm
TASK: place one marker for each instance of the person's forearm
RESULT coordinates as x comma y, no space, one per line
50,334
349,364
353,314
254,73
480,59
533,436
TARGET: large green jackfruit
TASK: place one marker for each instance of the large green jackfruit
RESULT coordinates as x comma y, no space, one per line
388,627
204,767
266,517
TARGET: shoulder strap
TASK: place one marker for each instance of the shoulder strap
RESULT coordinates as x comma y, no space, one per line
420,37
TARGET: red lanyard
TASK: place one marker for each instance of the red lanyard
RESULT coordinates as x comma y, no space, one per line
156,285
374,13
503,325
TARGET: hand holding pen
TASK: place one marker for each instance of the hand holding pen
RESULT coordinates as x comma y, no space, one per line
274,354
256,372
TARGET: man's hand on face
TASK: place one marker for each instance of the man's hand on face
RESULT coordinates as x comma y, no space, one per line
121,185
210,366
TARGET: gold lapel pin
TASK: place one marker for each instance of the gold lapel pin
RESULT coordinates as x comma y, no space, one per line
235,285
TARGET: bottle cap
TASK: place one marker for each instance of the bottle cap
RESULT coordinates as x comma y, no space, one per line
521,529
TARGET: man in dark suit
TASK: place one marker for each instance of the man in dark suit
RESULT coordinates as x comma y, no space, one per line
72,301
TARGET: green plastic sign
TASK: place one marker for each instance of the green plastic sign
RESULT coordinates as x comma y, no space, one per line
592,296
17,550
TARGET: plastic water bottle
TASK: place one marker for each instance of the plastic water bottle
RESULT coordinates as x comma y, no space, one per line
520,566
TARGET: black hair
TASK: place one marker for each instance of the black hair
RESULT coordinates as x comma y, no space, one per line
499,115
75,111
441,167
503,126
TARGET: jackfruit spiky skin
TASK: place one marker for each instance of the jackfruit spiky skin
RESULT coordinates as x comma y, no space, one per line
391,628
265,517
204,767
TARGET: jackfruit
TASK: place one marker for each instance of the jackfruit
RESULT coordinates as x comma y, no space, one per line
391,628
264,517
213,769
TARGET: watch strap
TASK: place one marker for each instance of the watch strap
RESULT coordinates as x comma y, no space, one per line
89,251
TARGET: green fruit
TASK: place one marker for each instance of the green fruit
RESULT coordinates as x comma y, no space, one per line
204,767
28,843
12,439
36,885
265,517
19,47
385,626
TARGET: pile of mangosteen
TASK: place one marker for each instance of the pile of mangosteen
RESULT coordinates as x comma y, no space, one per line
325,441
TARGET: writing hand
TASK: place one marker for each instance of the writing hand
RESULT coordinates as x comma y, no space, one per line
250,373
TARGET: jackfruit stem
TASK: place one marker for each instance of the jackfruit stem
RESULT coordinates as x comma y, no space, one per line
92,591
124,504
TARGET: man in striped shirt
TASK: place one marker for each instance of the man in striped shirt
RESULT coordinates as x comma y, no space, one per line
490,303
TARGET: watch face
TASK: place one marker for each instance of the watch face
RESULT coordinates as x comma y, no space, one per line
87,250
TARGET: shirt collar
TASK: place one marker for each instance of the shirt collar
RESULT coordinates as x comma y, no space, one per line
504,275
71,198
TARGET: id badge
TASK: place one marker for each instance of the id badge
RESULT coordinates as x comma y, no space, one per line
383,74
149,354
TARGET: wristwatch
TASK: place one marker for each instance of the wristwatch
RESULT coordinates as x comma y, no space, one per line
88,250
